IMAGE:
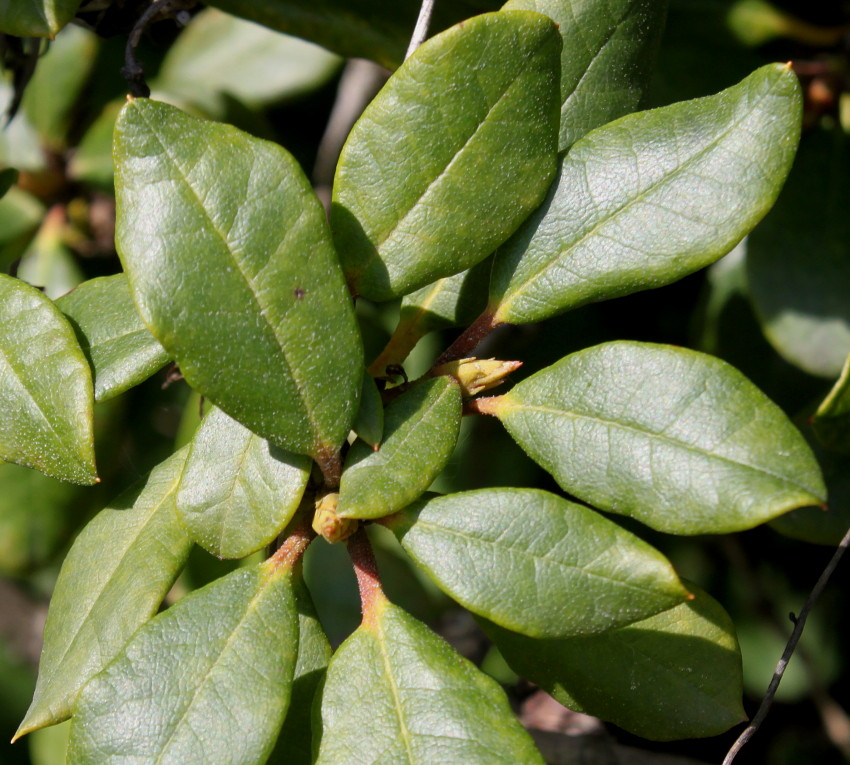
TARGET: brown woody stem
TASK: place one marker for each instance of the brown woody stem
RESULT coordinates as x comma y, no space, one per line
293,547
330,463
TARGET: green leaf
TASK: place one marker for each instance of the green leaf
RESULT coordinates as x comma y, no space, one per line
677,439
535,563
55,87
672,676
208,680
237,491
294,745
48,263
371,29
219,55
607,59
822,525
451,155
36,515
121,351
395,692
112,581
236,275
46,392
35,18
369,423
420,431
651,198
91,161
832,418
798,260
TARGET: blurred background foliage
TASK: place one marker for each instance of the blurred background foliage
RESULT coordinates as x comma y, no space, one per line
778,307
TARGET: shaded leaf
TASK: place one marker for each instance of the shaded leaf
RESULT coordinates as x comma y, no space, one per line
420,431
236,275
672,676
798,260
36,516
294,745
451,155
369,423
48,263
121,350
8,178
91,161
112,581
219,55
55,87
370,29
453,301
237,491
607,59
46,397
395,692
535,563
35,18
208,680
651,198
832,419
677,439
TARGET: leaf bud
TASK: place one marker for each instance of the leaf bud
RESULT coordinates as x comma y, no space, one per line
327,524
476,375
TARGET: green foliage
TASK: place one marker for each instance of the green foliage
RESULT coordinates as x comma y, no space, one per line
502,175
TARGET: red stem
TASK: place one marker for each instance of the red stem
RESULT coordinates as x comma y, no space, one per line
469,338
372,598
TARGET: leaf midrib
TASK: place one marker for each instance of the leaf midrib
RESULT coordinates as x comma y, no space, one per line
374,254
308,414
504,305
404,731
509,405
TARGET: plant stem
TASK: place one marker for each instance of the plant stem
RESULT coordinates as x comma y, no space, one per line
372,598
293,548
330,463
789,650
420,31
469,338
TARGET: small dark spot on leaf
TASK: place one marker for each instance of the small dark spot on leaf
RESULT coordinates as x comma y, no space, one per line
299,293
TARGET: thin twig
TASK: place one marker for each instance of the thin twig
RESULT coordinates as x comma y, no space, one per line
420,31
789,650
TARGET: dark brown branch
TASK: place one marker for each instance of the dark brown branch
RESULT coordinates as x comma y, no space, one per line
133,71
781,666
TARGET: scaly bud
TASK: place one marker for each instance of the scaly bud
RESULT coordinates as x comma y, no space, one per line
476,375
327,524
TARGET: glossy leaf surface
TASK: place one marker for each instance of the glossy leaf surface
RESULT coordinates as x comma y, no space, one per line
237,491
451,155
395,692
208,680
235,274
606,62
536,563
420,431
675,675
121,350
112,581
677,439
370,29
651,198
46,397
35,18
832,418
798,260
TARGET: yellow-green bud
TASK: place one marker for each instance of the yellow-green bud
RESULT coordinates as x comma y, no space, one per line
327,524
476,375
